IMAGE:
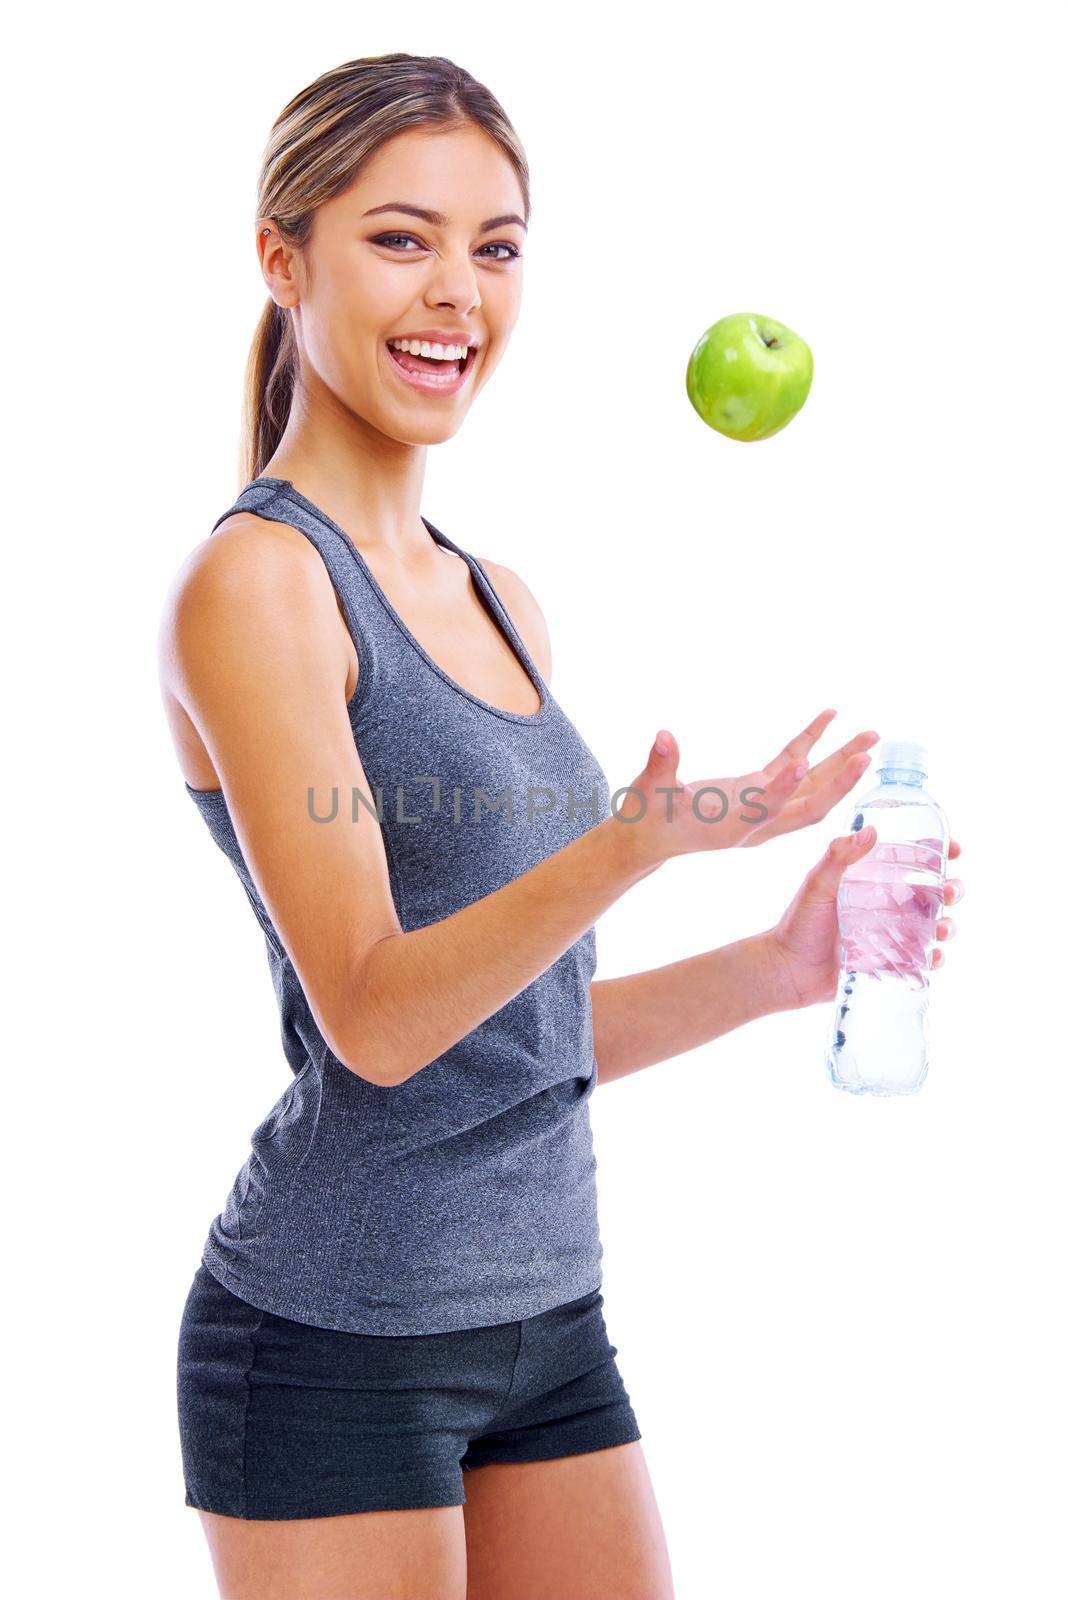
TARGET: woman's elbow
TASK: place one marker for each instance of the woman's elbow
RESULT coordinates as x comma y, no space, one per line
358,1037
364,1058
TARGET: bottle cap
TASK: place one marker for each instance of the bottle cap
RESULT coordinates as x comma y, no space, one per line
902,754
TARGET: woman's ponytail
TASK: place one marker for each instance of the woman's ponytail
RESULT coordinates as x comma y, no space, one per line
270,378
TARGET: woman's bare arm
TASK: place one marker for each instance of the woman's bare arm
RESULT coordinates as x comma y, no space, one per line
251,646
647,1017
422,991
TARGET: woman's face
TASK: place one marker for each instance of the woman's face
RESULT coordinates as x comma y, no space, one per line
365,279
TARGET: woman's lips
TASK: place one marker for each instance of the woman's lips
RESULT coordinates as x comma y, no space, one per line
427,382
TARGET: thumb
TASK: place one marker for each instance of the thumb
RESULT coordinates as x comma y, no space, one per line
843,852
665,752
824,879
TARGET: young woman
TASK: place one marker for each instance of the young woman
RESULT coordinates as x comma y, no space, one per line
394,1376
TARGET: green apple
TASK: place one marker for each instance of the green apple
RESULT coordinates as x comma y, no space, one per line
748,376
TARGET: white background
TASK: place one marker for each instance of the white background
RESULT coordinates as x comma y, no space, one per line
840,1321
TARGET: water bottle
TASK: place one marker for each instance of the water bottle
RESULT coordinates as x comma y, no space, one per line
889,903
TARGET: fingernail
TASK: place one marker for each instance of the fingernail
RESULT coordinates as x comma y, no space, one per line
661,743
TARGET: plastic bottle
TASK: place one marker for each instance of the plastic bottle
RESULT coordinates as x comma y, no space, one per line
889,903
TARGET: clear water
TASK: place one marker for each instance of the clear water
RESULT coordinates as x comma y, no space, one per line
889,903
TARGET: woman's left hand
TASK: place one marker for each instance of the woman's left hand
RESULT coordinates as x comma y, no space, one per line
804,948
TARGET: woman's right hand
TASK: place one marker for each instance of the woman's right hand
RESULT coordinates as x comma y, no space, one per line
670,818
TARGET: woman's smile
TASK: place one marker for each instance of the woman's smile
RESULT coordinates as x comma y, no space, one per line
428,375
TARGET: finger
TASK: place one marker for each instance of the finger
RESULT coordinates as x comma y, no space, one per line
842,852
800,745
937,958
814,806
776,795
952,891
954,849
775,798
946,928
668,753
831,765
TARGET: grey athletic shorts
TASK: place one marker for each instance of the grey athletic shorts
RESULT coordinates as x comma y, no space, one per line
279,1419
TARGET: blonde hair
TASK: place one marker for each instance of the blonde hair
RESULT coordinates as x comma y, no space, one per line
317,146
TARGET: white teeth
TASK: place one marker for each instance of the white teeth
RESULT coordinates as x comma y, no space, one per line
436,352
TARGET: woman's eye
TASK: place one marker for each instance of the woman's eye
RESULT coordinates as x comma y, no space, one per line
387,238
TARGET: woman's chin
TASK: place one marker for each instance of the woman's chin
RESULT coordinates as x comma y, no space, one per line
424,430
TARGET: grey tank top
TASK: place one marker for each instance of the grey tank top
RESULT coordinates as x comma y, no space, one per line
466,1195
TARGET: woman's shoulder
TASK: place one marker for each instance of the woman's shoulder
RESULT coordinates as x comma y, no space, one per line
248,584
245,536
253,557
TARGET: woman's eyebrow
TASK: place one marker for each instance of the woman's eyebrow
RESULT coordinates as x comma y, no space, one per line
437,219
